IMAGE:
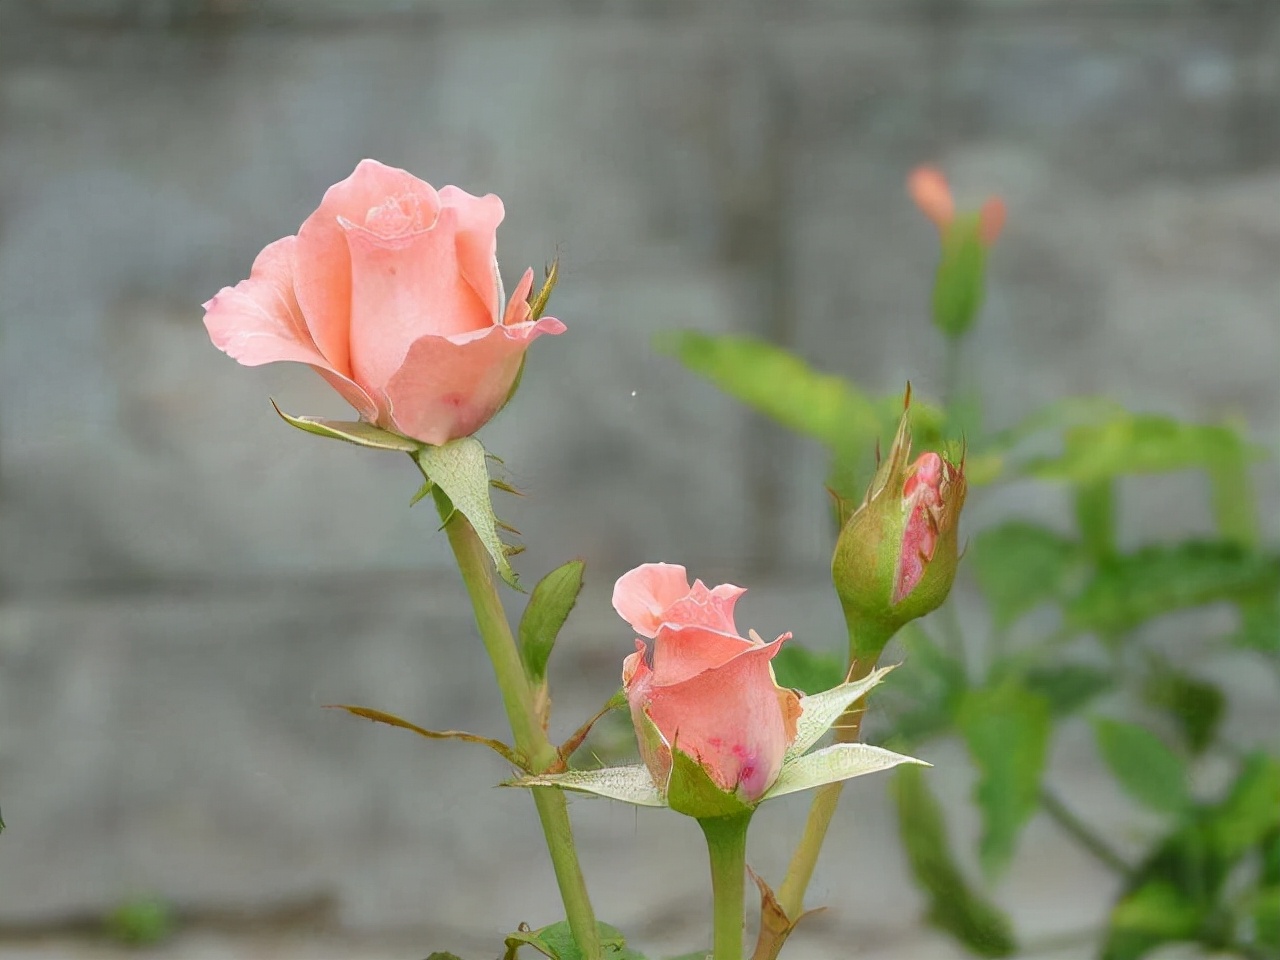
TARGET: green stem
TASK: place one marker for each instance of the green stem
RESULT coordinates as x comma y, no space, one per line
1082,833
952,363
1234,507
530,739
727,845
848,729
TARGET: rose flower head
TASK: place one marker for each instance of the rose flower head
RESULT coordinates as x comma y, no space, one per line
390,291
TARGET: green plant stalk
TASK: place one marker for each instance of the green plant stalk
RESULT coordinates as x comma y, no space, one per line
827,798
727,845
1234,506
530,739
1079,831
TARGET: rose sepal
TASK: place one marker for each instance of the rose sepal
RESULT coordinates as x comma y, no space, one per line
359,432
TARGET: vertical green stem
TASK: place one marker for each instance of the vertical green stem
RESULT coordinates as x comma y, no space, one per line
1234,505
727,844
848,729
530,739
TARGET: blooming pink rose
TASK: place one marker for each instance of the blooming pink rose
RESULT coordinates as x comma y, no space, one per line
391,292
707,690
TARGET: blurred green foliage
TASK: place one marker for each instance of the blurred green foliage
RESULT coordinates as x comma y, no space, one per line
1073,637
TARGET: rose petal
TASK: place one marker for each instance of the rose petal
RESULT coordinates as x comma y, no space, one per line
259,321
518,310
451,387
477,220
929,189
642,595
709,608
403,288
681,652
729,718
322,261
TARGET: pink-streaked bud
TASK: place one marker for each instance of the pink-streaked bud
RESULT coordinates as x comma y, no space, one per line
896,556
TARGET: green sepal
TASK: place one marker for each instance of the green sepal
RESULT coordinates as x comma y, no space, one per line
549,606
820,711
352,431
691,791
631,784
458,470
538,305
840,761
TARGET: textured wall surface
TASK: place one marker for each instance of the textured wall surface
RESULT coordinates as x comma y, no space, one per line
184,580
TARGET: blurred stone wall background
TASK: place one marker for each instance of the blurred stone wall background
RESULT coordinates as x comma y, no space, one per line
184,580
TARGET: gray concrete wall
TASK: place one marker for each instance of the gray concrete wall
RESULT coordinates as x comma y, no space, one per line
183,579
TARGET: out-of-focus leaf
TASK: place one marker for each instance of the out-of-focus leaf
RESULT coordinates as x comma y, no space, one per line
1266,919
548,609
1154,914
1195,705
808,670
1148,771
1094,505
954,906
1260,624
780,385
443,955
1130,589
146,921
924,694
1007,731
958,284
1251,810
1067,687
1135,443
1020,565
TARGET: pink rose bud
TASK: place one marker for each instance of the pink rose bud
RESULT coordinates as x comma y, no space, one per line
390,291
895,559
958,287
699,687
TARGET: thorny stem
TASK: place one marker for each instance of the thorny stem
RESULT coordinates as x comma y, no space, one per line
531,740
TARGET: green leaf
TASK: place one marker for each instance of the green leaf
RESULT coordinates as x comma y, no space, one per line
1006,729
548,609
806,670
1250,811
1094,504
954,907
1266,919
840,761
1020,565
391,720
142,922
458,469
1149,772
631,784
556,941
1260,625
1154,914
352,431
1194,705
780,385
1131,443
1130,589
443,955
958,285
1067,687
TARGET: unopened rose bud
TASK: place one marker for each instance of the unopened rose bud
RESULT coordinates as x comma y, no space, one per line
966,237
896,556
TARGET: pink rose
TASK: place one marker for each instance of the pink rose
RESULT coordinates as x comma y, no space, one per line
707,690
390,291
